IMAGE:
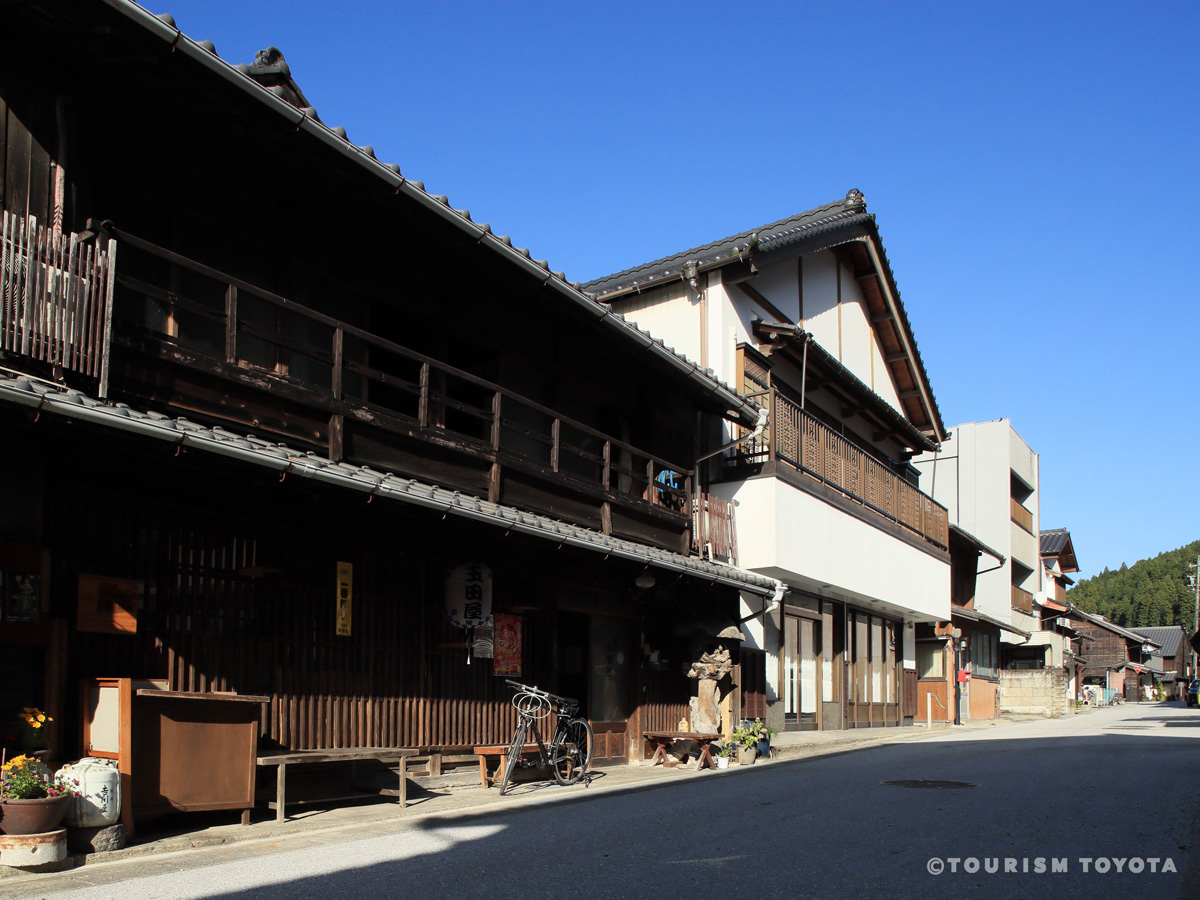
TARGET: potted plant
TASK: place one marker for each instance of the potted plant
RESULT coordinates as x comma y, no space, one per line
30,801
724,754
754,739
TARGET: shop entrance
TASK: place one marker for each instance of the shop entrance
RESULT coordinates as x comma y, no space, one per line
593,666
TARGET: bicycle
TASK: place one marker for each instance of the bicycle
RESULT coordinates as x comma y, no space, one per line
570,751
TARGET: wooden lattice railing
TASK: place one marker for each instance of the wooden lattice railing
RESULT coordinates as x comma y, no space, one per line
800,440
56,296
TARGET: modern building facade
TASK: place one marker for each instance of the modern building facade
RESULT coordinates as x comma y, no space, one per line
987,478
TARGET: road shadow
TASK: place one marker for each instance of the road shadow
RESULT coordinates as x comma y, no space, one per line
817,827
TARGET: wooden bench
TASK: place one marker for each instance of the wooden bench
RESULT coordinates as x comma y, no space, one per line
284,759
663,740
485,753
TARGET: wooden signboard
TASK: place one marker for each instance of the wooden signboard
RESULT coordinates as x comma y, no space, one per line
108,605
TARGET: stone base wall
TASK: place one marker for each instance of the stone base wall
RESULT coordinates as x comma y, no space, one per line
1035,692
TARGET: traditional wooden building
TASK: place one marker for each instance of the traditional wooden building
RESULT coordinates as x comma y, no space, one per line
276,418
1178,658
804,315
1114,658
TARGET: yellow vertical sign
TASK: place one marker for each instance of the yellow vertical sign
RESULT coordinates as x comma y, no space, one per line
345,590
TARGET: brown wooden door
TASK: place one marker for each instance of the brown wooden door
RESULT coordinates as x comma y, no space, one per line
609,677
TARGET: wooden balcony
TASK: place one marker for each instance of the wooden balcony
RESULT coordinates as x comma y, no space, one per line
1022,599
1020,515
191,340
800,440
56,297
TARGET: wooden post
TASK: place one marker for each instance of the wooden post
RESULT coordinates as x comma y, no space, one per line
555,442
106,336
231,324
608,465
423,403
336,421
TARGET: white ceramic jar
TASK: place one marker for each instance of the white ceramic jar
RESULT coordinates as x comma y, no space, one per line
99,800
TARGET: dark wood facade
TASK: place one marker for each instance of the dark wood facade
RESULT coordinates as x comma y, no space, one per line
267,282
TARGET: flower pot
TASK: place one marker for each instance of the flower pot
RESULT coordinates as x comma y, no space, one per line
764,749
722,762
32,816
746,756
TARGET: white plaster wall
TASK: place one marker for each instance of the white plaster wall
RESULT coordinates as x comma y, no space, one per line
730,317
881,382
779,283
790,534
753,628
1024,548
820,299
671,312
857,339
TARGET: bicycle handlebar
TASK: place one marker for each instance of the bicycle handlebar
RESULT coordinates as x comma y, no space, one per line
538,692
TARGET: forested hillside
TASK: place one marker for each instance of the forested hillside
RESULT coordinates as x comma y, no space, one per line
1150,592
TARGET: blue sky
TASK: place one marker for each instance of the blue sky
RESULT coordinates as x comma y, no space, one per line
1032,168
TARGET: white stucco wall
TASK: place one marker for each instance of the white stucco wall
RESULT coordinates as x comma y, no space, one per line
808,543
974,482
671,313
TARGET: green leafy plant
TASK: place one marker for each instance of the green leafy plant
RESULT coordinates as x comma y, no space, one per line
25,778
749,734
726,749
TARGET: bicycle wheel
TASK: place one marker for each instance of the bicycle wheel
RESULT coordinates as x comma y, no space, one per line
572,751
514,754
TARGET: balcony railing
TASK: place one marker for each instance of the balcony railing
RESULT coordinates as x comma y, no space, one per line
802,441
1020,515
56,297
232,329
715,536
1022,599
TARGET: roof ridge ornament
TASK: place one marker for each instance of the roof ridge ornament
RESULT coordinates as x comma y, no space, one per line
854,200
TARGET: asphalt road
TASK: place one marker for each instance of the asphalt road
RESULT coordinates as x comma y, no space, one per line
1095,806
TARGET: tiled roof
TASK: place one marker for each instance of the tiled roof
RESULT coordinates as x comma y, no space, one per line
48,398
1053,540
776,234
1111,626
1169,637
280,96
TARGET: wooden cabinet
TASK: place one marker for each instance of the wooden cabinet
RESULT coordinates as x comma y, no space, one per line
176,751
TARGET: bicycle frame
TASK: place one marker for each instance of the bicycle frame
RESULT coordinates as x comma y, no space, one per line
532,704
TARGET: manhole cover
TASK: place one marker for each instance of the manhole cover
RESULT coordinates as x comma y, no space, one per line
929,785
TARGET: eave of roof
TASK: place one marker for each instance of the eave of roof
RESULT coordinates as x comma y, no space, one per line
1104,623
1056,543
878,404
46,398
976,542
305,120
976,616
733,248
